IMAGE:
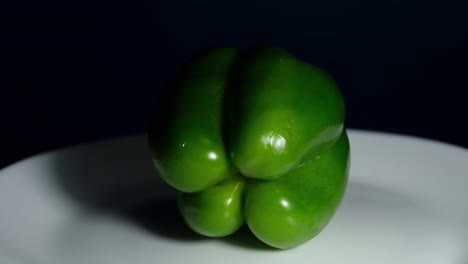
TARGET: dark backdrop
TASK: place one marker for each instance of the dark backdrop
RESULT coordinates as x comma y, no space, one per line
73,71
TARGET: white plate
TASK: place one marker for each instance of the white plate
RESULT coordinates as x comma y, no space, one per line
406,203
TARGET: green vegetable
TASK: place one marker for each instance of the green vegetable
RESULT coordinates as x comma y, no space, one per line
253,136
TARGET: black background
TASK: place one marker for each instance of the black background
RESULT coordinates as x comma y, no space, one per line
73,71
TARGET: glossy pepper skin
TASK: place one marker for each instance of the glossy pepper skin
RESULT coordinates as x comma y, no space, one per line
253,137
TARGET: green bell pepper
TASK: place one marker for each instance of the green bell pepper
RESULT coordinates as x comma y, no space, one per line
253,136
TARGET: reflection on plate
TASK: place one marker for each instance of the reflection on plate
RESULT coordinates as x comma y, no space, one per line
103,203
